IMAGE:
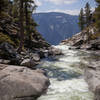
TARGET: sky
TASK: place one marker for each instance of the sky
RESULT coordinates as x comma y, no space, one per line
65,6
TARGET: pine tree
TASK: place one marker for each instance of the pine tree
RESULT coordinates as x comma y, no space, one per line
97,15
21,19
25,11
87,14
3,5
29,8
81,19
21,13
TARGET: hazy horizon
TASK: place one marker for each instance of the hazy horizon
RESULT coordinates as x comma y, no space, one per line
71,7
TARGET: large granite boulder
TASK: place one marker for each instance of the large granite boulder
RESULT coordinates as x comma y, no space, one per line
21,83
54,51
97,93
92,76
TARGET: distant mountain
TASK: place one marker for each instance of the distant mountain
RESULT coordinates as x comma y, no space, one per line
55,27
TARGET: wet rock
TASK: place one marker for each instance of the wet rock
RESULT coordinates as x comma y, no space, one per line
73,47
29,63
21,83
35,56
43,53
86,46
54,51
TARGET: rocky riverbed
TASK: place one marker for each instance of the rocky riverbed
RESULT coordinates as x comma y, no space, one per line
66,74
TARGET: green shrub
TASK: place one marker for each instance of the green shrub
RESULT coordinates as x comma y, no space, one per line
6,38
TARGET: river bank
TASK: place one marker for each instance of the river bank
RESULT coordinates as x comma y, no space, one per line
66,75
19,78
92,69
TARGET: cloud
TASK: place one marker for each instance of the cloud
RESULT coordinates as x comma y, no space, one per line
38,3
60,2
71,12
93,9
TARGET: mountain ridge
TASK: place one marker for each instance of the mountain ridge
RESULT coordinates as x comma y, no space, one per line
55,26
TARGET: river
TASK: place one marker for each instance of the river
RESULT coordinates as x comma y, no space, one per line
66,75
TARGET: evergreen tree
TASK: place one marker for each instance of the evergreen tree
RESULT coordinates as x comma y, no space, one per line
3,5
87,14
21,13
21,19
97,15
81,19
25,11
29,8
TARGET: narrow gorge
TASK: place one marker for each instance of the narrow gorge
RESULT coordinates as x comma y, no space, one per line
52,53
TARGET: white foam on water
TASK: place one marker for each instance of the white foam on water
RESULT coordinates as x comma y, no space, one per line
73,88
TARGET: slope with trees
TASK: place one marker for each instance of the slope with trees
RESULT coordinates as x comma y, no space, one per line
18,28
89,23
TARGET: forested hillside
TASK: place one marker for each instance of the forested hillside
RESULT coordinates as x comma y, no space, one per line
18,28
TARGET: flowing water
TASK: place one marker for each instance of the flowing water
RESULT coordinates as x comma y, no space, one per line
66,76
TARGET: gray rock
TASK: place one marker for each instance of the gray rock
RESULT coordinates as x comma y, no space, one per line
54,51
97,93
43,53
78,43
21,83
92,76
29,63
3,61
8,50
35,56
